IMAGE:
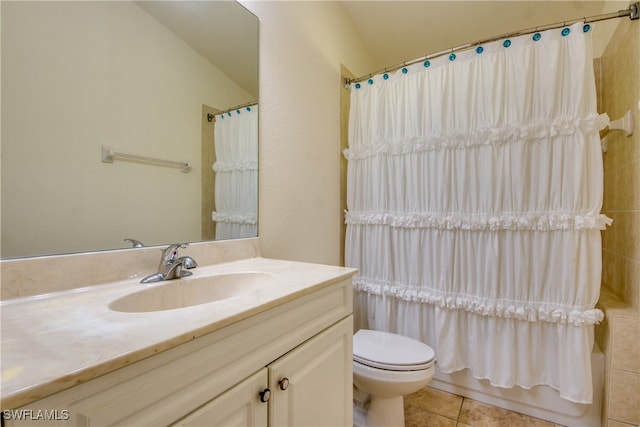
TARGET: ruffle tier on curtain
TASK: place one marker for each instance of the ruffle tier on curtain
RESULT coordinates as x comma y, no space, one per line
236,168
474,194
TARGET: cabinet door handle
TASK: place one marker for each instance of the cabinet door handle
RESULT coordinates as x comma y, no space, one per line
284,383
265,395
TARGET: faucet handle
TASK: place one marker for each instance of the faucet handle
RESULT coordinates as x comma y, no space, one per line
170,253
188,262
134,242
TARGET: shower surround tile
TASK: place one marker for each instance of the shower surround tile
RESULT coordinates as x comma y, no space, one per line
619,92
626,344
613,423
624,405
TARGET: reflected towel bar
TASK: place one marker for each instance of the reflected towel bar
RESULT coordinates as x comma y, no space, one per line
109,154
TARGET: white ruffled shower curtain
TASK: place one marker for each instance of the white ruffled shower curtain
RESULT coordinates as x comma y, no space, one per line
474,194
236,168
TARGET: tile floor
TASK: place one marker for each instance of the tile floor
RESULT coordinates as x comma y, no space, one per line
435,408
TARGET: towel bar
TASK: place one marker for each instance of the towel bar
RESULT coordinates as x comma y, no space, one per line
109,154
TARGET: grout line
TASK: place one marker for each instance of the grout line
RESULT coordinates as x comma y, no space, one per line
460,409
620,255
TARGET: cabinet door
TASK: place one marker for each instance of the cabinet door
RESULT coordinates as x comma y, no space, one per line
312,384
238,407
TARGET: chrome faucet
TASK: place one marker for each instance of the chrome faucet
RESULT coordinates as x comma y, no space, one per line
171,266
135,243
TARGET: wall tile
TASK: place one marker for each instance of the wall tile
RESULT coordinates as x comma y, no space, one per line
626,344
632,292
632,243
604,414
613,423
633,172
613,272
624,397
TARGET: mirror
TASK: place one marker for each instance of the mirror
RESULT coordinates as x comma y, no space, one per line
139,78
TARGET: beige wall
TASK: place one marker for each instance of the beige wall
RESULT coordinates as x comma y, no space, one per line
302,48
75,76
302,45
619,336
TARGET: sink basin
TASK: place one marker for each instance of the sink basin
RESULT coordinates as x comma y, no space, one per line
181,293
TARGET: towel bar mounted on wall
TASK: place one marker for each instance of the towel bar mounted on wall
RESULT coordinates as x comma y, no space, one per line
109,154
624,125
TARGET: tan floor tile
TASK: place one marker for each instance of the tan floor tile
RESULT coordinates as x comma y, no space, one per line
478,414
415,416
436,401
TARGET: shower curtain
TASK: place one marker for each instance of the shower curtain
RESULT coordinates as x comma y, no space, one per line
236,169
475,185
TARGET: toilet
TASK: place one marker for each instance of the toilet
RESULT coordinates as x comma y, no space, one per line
386,367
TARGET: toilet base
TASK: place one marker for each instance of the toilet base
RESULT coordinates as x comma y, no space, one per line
359,416
387,412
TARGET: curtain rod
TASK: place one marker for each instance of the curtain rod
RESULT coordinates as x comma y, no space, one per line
228,110
631,12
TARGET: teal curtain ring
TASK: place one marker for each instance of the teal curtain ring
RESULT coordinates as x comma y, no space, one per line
404,70
370,81
565,32
479,49
229,113
536,37
358,86
586,28
248,108
426,64
452,57
238,111
385,76
506,43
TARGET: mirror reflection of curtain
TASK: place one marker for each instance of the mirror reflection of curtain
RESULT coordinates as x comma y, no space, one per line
236,168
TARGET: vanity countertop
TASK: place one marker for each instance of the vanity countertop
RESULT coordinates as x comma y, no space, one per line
54,341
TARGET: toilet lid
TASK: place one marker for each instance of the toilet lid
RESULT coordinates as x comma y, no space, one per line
391,352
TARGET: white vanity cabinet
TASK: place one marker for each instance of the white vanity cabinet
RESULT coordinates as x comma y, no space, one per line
312,383
217,379
307,386
239,407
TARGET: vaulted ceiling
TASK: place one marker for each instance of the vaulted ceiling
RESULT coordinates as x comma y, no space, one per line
399,31
393,31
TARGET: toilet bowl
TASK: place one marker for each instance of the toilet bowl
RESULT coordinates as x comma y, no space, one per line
386,367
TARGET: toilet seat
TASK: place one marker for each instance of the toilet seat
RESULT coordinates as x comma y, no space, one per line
391,352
